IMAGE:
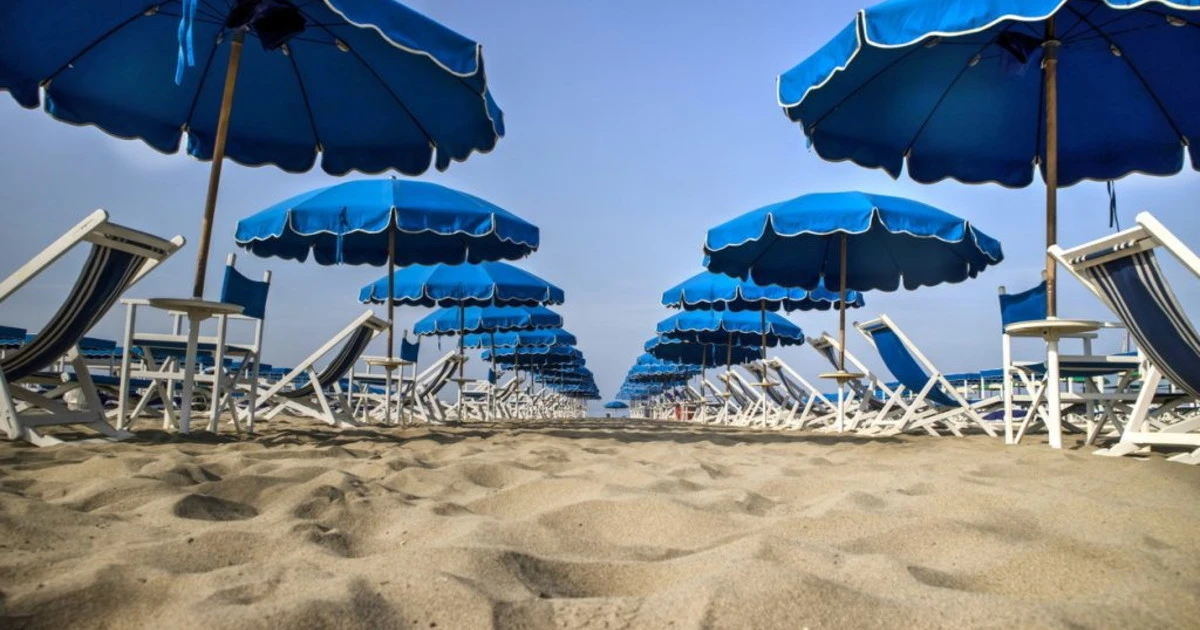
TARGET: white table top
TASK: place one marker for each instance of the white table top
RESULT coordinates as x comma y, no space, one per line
841,377
196,307
384,362
1052,328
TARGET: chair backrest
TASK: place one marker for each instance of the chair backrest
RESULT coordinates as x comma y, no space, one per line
11,337
1123,272
1024,306
900,361
106,274
340,365
409,350
251,295
1140,295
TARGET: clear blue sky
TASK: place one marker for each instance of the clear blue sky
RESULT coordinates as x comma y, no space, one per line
633,127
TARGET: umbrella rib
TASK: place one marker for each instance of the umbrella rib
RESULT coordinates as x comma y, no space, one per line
945,93
860,87
1141,79
86,49
1082,22
382,83
312,120
212,53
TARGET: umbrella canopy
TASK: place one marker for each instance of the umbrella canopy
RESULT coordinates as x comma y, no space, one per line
888,241
716,291
356,223
367,84
485,284
535,355
675,351
482,319
739,328
987,90
615,404
544,337
956,89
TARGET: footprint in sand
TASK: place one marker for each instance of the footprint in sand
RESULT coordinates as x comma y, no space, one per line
203,508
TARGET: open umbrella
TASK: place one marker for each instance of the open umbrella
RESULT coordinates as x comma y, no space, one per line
483,284
486,319
383,222
368,85
989,90
850,241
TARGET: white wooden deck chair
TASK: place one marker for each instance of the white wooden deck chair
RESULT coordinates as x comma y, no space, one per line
862,407
779,409
321,396
935,401
423,399
119,257
816,410
231,369
749,401
1123,272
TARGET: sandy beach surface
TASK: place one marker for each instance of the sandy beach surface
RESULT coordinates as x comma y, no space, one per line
592,524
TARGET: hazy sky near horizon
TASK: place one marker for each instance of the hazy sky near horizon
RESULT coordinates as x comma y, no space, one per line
632,128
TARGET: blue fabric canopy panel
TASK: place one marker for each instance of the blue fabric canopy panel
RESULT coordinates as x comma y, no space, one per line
484,284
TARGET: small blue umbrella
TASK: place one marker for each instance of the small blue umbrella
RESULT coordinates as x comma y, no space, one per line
484,284
702,354
484,319
367,84
521,338
989,90
718,292
387,221
731,327
535,355
616,404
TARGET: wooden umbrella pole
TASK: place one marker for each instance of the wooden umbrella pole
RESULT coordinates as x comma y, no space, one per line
462,354
763,349
1050,75
218,157
842,311
391,340
492,375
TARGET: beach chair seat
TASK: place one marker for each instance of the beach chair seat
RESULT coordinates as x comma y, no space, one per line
228,370
935,401
117,259
1123,272
318,393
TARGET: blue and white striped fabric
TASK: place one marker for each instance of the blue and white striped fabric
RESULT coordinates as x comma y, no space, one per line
1139,293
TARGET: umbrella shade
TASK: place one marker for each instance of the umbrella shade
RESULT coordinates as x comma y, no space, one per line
545,337
889,241
616,404
956,89
485,284
535,355
675,351
352,223
481,319
367,84
716,291
740,328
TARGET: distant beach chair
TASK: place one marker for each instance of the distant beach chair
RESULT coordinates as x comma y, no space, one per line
119,257
1123,272
318,394
866,400
815,408
935,400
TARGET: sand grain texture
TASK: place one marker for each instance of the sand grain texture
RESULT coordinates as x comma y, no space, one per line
592,524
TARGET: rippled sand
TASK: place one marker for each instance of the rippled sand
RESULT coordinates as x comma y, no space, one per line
592,524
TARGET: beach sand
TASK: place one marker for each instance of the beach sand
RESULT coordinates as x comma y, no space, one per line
592,524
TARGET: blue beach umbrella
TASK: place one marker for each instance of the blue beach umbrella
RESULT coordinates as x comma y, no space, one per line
616,404
989,90
521,338
387,221
485,319
719,292
535,355
484,284
730,327
850,241
368,85
689,353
